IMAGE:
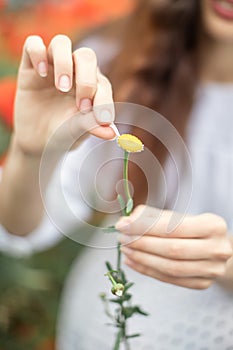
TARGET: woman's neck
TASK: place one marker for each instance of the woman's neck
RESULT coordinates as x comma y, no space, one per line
215,61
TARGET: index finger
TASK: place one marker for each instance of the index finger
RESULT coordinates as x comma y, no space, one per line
199,226
85,61
103,105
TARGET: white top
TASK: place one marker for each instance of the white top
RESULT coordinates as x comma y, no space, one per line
180,318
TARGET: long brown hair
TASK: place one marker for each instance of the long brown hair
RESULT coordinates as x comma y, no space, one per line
156,67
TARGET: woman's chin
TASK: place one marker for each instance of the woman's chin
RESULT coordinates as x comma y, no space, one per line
218,24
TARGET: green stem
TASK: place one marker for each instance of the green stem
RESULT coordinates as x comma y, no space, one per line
118,257
124,338
111,278
127,192
121,336
126,180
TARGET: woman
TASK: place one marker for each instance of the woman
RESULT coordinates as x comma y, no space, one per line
175,57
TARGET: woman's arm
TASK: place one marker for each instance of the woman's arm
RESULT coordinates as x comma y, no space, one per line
56,91
20,205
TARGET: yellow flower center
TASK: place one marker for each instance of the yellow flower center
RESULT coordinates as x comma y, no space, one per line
130,143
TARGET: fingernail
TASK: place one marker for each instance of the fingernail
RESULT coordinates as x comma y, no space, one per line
123,224
64,83
127,251
105,116
85,105
42,69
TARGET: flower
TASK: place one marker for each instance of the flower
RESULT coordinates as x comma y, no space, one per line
130,143
120,285
118,289
7,89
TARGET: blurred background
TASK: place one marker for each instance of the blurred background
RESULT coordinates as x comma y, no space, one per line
30,287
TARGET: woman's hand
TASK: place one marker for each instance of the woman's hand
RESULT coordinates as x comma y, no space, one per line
56,91
192,255
54,84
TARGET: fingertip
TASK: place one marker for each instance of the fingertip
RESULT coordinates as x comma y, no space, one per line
128,262
123,224
103,132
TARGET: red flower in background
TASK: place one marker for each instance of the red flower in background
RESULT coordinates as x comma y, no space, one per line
7,93
2,4
47,18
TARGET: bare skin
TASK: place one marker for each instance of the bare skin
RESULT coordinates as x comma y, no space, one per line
41,106
194,255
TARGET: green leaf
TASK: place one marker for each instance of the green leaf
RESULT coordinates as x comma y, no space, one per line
128,311
109,266
121,277
129,206
111,272
122,203
118,340
125,297
138,310
110,229
133,335
131,310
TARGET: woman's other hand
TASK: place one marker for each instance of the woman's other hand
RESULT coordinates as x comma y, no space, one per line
192,255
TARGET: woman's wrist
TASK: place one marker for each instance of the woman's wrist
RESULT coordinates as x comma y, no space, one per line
227,280
21,155
21,208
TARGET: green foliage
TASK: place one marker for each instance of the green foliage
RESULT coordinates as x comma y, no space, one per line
129,206
122,204
110,229
124,308
133,335
120,286
131,310
4,137
118,340
7,66
30,290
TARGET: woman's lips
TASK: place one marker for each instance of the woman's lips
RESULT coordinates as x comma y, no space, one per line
223,8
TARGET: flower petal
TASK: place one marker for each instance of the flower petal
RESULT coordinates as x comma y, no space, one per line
130,143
